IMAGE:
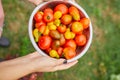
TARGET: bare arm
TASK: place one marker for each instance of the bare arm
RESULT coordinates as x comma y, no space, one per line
34,62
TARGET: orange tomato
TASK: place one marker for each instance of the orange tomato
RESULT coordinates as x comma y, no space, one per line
66,19
74,12
69,52
38,16
48,10
76,27
62,40
61,28
42,28
85,22
70,43
61,7
80,40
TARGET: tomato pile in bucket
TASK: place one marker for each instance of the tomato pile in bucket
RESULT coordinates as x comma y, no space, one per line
60,31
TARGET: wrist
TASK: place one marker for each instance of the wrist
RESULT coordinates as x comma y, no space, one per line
32,61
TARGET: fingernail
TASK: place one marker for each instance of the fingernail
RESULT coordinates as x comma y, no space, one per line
65,62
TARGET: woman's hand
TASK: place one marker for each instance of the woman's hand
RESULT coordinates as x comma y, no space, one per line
37,2
47,64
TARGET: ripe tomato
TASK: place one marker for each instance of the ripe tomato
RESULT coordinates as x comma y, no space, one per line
57,14
61,7
44,42
80,40
48,10
41,29
38,16
76,27
38,24
60,51
74,12
48,50
85,22
53,53
66,19
62,40
55,44
48,17
61,28
69,52
70,43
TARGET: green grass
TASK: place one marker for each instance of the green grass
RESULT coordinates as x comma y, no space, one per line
99,63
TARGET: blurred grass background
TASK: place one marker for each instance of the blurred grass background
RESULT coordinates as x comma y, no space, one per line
102,60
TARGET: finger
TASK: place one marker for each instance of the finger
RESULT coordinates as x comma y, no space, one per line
65,66
59,62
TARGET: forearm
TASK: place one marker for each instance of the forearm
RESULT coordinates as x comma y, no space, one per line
16,68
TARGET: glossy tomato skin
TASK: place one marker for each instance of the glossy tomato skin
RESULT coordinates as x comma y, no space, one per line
61,7
60,51
70,43
38,24
61,28
38,17
77,27
44,42
69,52
85,22
42,28
80,40
48,17
66,19
48,10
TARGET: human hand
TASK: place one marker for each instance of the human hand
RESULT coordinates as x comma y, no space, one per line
36,2
42,63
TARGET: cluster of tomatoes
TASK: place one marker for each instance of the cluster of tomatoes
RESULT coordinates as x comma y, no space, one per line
59,31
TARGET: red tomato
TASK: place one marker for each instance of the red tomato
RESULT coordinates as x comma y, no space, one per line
48,10
61,7
42,28
48,17
61,28
80,40
66,19
38,24
44,42
85,22
38,17
48,50
70,43
69,52
60,51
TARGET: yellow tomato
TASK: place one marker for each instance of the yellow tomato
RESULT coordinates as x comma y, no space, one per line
57,14
50,23
76,27
53,53
36,34
46,32
52,27
57,22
